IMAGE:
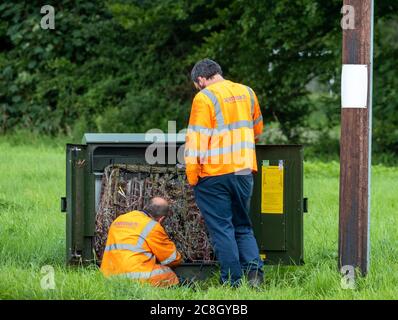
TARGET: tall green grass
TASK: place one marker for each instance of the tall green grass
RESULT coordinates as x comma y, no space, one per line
32,235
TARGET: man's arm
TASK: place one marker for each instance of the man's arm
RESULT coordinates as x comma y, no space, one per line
162,247
198,137
257,119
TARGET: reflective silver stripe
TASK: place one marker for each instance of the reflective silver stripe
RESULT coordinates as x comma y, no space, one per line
227,127
145,275
217,107
258,120
137,275
163,270
233,148
194,153
170,259
251,99
200,129
148,254
117,246
214,152
138,247
144,234
123,246
237,125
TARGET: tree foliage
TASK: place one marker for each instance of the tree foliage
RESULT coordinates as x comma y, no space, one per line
113,65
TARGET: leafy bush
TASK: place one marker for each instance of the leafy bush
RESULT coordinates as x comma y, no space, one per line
112,65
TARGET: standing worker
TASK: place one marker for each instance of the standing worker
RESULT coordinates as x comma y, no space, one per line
220,158
139,248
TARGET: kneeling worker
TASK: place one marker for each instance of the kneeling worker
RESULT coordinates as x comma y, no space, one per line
139,248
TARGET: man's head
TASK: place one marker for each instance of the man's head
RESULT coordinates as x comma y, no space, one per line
157,208
204,72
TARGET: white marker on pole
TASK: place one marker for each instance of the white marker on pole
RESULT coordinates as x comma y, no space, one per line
354,86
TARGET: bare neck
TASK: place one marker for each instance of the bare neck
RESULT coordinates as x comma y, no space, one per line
215,79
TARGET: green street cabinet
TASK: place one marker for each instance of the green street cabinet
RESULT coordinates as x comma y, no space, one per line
277,204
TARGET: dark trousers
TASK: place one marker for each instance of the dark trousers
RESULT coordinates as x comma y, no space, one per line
224,202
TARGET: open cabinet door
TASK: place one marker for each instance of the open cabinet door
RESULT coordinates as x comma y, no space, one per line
74,204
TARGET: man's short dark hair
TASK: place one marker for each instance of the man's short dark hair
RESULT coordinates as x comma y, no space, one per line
155,210
205,68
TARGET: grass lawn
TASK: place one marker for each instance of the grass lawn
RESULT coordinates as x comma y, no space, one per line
32,235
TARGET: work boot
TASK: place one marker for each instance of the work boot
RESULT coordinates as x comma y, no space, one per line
255,279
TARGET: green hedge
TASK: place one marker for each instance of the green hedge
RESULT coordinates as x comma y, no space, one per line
123,66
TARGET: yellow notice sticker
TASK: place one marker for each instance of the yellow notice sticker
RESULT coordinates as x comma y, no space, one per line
272,190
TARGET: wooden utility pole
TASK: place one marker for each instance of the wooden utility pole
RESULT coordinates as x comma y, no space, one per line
356,120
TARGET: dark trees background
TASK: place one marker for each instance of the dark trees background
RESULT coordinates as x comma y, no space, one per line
123,66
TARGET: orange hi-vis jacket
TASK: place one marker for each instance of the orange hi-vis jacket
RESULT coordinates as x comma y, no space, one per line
139,248
224,125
